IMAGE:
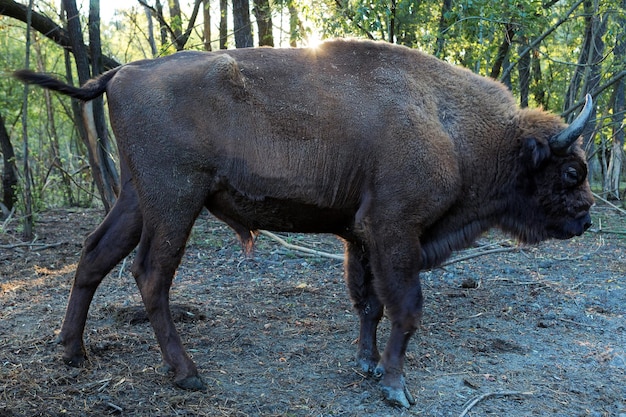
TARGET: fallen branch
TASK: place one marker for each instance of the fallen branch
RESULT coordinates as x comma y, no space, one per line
340,257
301,248
476,400
32,246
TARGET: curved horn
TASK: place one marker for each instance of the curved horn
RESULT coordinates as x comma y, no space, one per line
564,140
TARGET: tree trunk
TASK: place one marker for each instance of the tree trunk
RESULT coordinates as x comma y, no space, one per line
523,68
176,23
587,77
162,29
263,14
571,96
503,50
206,27
241,24
618,104
392,22
103,146
151,41
90,135
537,86
27,232
294,24
223,24
9,173
444,24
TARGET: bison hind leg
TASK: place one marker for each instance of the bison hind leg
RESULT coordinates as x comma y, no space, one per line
366,303
113,240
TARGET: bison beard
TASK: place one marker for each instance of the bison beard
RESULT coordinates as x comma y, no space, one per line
404,157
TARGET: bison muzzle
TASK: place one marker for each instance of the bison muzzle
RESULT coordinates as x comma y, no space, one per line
404,157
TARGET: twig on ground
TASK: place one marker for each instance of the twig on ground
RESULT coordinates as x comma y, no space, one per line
115,407
476,254
476,400
604,200
614,232
578,323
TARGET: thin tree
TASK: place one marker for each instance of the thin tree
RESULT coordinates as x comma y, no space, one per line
176,22
503,50
28,198
223,24
537,87
206,28
9,173
295,24
104,147
618,105
174,27
106,185
523,68
444,24
241,24
55,148
587,76
151,40
158,7
263,14
391,30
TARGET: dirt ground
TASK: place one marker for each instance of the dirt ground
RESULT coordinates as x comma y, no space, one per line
519,331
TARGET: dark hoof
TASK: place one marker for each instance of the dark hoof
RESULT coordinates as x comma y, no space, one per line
367,366
191,383
77,361
398,396
379,371
395,391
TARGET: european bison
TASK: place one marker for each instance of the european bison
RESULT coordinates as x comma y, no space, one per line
403,156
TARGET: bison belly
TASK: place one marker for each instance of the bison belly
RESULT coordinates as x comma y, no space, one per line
280,215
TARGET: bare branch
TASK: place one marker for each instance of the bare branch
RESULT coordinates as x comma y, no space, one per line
47,27
301,248
596,92
540,39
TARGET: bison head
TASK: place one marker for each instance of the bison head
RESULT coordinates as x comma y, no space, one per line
552,197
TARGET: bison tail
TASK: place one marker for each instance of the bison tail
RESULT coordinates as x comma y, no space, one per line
92,88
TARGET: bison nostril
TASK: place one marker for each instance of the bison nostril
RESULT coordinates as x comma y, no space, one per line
585,220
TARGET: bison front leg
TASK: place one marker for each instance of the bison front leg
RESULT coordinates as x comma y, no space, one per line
113,240
396,279
359,281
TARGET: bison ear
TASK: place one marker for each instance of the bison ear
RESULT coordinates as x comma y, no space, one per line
535,152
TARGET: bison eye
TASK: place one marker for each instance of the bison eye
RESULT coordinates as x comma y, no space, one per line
570,176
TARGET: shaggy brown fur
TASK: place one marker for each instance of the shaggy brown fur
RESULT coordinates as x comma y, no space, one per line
405,157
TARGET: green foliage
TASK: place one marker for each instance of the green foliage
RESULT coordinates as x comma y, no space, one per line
59,177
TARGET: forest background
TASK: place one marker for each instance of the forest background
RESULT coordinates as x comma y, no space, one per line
57,152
